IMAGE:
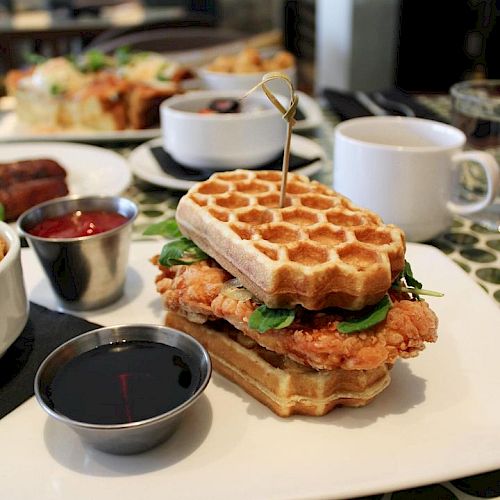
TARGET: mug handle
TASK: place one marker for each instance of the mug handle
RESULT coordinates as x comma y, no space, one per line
492,171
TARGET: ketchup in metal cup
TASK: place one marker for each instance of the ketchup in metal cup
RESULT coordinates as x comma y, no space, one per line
77,224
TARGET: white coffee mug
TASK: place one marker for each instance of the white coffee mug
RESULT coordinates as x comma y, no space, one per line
406,170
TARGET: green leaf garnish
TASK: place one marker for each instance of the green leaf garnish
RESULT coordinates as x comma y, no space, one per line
33,58
56,89
167,228
413,286
123,55
160,76
93,61
181,251
417,291
375,316
2,212
409,278
138,56
264,318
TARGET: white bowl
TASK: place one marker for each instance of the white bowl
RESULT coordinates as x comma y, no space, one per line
248,139
13,302
217,80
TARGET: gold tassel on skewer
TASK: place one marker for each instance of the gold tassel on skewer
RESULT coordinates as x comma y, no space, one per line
287,114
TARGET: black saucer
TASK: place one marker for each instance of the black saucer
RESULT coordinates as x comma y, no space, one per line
179,171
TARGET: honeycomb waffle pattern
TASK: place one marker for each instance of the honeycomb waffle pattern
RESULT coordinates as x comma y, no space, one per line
319,250
278,382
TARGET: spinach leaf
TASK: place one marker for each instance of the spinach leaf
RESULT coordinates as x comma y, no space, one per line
160,75
167,228
94,60
412,285
2,212
123,55
181,251
409,278
33,58
376,315
416,292
264,318
56,89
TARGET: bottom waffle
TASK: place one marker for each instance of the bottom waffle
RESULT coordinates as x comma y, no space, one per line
284,386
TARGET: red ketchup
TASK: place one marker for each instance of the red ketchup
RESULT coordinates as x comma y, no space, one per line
76,224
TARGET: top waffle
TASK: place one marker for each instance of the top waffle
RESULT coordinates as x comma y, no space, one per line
319,251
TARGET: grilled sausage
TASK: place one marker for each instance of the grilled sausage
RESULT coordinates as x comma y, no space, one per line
25,170
20,196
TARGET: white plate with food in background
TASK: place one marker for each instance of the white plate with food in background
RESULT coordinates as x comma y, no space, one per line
12,130
438,420
90,170
145,166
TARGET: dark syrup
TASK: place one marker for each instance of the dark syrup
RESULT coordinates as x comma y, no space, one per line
123,382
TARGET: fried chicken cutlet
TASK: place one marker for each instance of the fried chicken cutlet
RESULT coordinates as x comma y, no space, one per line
313,340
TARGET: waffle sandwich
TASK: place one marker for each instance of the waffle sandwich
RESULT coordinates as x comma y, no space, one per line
305,307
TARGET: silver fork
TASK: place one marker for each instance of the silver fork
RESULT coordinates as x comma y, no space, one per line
395,105
365,100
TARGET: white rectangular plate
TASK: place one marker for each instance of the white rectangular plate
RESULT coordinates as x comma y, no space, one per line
11,130
437,420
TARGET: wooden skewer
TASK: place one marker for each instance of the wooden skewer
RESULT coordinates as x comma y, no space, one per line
287,114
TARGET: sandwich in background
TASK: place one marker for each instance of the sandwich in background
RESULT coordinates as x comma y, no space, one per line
95,91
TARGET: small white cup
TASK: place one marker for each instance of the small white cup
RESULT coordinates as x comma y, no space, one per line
222,141
13,300
406,170
216,80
